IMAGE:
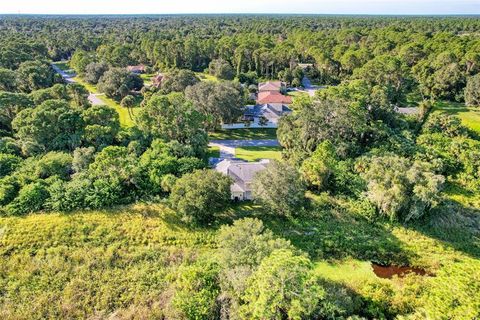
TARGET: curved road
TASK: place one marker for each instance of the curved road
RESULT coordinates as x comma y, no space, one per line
92,97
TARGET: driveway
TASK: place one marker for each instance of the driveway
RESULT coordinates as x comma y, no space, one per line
245,143
309,88
227,147
66,76
95,100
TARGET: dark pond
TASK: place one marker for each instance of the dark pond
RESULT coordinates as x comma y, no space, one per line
387,272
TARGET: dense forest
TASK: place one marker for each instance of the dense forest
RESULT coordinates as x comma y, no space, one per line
112,210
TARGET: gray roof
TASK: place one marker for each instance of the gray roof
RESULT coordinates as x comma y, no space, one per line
241,172
267,110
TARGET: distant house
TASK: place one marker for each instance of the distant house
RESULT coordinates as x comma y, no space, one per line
305,66
137,69
273,97
157,80
270,106
270,113
275,86
242,174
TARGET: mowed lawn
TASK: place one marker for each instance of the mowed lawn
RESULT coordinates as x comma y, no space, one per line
258,153
470,116
243,134
125,119
206,77
213,152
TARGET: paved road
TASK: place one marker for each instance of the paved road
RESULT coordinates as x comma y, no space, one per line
227,147
94,100
92,97
66,76
309,88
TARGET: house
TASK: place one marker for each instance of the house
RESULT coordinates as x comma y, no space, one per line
270,106
136,69
274,86
242,174
273,97
157,80
269,113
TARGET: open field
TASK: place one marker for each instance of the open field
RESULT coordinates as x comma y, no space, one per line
123,260
243,134
258,153
470,116
74,265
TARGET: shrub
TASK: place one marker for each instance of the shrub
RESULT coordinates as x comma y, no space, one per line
282,287
199,195
196,291
31,198
8,164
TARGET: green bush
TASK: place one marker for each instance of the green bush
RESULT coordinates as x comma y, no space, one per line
8,164
31,198
199,195
196,291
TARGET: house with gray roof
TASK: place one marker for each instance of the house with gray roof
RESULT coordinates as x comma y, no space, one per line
242,173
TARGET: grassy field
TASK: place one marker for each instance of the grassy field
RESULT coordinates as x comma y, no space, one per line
470,116
147,78
92,264
297,94
206,77
122,261
213,152
125,119
243,134
258,153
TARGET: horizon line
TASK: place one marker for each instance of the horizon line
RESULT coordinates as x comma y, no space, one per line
251,14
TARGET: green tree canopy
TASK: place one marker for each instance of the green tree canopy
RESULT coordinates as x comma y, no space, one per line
280,188
34,75
283,287
220,103
170,118
401,189
118,82
198,196
53,125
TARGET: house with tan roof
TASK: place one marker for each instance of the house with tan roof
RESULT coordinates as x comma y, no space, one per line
271,86
243,174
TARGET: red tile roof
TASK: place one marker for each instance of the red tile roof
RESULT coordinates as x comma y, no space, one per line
273,97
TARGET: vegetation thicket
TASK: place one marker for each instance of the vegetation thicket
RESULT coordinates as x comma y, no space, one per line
101,217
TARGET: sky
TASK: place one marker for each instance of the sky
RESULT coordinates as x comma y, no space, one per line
421,7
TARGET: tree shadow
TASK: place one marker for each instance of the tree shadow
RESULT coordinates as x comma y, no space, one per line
455,225
334,233
341,302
